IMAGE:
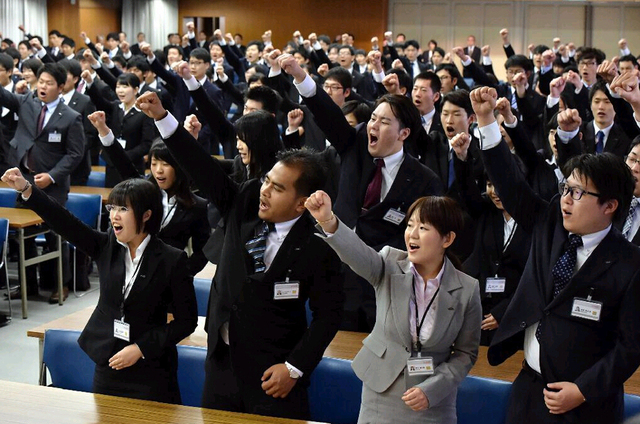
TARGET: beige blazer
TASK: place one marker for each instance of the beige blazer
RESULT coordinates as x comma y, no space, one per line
454,341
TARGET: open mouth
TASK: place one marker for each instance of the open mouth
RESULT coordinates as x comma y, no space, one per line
117,228
413,247
263,205
161,180
450,131
373,139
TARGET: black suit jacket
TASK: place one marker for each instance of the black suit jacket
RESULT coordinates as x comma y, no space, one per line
82,104
258,323
617,142
413,180
58,159
162,280
476,55
598,356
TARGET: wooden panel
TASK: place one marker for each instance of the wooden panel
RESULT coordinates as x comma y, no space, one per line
93,16
631,30
407,20
332,17
64,17
435,24
100,21
606,34
571,24
468,21
540,24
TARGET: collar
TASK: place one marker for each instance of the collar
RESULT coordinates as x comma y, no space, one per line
435,281
52,105
591,241
393,160
202,81
168,200
140,250
282,228
121,106
142,84
606,131
70,57
153,84
67,97
429,116
9,87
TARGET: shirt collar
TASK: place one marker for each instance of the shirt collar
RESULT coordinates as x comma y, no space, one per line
9,87
282,228
429,116
604,130
591,241
140,250
202,81
435,281
393,160
67,97
52,105
166,199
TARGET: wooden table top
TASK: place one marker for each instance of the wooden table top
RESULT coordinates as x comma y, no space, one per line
20,218
102,191
26,403
98,168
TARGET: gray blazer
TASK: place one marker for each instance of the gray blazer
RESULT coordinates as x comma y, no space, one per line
454,341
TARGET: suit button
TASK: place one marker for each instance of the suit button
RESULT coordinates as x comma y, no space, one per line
406,348
523,324
234,307
547,313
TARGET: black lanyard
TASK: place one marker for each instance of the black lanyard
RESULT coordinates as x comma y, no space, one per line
419,326
162,224
124,284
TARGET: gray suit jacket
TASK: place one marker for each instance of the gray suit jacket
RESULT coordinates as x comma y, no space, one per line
456,334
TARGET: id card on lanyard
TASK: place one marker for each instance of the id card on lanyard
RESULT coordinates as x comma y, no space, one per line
417,364
122,329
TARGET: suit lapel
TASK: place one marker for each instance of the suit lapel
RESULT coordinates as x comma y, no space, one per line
291,247
557,249
368,168
55,117
446,303
401,295
150,261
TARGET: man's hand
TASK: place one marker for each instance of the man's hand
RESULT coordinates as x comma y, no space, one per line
567,397
375,58
127,357
21,87
272,59
99,121
192,125
622,43
520,82
531,47
42,180
89,57
345,39
297,37
83,36
86,76
145,48
447,58
397,64
289,64
571,46
556,86
504,33
374,43
182,69
489,323
503,106
21,28
569,120
574,78
217,35
151,105
460,145
459,51
99,48
295,117
313,38
484,100
607,70
388,38
104,57
124,46
276,381
626,86
191,27
323,69
35,44
319,206
556,42
548,56
266,37
486,50
229,38
415,399
391,84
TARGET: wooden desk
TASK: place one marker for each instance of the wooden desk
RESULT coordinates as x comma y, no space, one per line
102,191
98,168
24,221
26,403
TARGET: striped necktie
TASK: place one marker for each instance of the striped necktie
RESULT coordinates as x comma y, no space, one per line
258,245
628,223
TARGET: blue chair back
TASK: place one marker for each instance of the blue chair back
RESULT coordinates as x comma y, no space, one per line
69,366
96,179
86,207
334,392
482,400
203,288
631,406
8,197
308,312
191,374
4,235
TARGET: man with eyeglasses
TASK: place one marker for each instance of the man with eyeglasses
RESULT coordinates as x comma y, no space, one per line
631,223
575,309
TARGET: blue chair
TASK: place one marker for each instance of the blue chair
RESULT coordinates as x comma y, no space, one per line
101,161
308,312
8,197
4,245
482,400
96,179
191,374
69,366
203,288
334,392
87,208
631,406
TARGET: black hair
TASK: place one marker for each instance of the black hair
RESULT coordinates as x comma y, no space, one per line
626,58
341,75
180,187
26,44
13,52
58,73
178,48
258,44
113,36
324,38
600,85
6,62
259,131
593,53
459,98
39,39
360,110
121,60
257,76
69,42
519,61
140,195
128,79
259,68
302,52
412,43
558,62
201,54
405,112
8,41
609,174
634,143
139,63
439,50
404,80
312,167
72,67
34,64
352,51
80,55
361,51
540,48
434,42
453,71
269,98
430,76
55,32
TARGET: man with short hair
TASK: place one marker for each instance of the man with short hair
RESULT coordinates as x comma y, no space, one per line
627,63
68,48
55,42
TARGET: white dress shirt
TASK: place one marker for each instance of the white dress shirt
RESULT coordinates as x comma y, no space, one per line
422,295
132,266
390,171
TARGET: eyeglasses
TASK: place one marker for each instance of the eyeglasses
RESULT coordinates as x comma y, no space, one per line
631,162
328,87
115,208
589,63
196,62
576,193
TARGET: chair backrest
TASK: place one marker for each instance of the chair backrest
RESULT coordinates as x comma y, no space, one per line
69,366
482,400
631,406
8,197
86,207
334,392
191,374
202,287
96,179
4,235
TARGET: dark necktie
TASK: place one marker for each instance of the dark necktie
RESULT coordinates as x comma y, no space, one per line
628,223
599,142
258,244
80,87
43,112
374,189
563,269
452,172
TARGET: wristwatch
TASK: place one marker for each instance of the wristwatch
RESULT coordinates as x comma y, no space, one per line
292,372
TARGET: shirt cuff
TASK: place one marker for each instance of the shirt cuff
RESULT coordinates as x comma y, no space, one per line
41,53
637,121
578,90
307,88
378,77
151,59
223,78
490,136
191,35
167,126
566,136
625,51
191,83
552,101
565,59
508,125
127,55
289,132
613,93
486,60
110,64
52,180
545,69
296,370
108,139
87,41
466,62
222,42
274,72
317,45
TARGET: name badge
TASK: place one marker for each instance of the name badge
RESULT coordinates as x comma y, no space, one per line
121,330
290,290
495,285
122,142
420,366
587,309
394,216
55,137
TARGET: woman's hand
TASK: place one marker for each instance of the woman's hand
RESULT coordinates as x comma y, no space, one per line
319,205
126,357
415,399
489,323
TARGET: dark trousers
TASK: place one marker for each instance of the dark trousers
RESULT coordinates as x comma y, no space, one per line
526,403
224,390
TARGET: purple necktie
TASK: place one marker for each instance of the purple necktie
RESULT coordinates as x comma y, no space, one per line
43,112
374,189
